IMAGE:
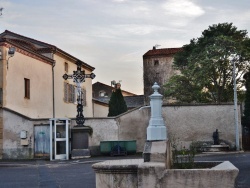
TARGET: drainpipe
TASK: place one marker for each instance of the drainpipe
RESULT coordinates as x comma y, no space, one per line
53,86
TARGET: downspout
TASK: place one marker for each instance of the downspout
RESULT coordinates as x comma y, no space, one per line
53,86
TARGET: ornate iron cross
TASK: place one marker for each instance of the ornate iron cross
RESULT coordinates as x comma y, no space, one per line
78,77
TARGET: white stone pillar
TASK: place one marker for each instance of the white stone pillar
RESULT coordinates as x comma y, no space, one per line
157,129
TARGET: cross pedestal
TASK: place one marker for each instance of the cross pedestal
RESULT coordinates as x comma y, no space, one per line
80,142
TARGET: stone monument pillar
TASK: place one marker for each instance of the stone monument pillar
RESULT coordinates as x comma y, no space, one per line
157,146
157,129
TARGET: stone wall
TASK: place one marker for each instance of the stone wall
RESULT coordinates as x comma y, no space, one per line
187,123
198,122
155,175
13,125
104,129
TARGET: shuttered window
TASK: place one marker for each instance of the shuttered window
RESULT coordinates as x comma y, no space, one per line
69,93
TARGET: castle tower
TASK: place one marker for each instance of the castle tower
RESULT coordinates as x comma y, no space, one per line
157,67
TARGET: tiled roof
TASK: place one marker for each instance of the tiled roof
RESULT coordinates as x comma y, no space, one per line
131,101
110,87
162,51
29,43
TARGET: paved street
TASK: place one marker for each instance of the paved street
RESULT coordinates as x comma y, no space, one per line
47,174
79,174
51,175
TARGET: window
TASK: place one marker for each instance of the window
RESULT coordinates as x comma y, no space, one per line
156,62
102,94
69,93
26,88
66,67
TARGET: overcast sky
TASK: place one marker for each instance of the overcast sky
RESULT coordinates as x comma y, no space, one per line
113,35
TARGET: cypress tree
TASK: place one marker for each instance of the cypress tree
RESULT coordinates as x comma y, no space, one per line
117,104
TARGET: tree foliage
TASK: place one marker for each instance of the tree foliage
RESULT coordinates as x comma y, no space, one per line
246,117
206,65
117,104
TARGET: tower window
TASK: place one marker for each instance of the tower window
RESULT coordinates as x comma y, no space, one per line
156,62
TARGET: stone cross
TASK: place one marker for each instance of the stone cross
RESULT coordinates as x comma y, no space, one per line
78,77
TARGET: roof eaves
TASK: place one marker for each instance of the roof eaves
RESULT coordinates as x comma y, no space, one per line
54,48
30,39
28,50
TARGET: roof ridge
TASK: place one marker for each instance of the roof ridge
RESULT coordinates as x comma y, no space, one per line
7,31
162,51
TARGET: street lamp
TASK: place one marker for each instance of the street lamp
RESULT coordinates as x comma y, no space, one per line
11,53
235,109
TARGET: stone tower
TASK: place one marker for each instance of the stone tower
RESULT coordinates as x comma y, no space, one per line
157,67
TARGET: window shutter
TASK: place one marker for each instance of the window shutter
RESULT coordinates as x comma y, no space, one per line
75,95
72,93
84,100
65,92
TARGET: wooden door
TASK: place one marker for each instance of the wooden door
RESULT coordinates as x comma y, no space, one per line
42,141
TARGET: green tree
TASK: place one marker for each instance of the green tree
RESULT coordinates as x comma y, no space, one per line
246,117
117,104
206,65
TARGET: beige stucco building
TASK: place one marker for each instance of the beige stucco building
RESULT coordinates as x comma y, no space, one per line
31,84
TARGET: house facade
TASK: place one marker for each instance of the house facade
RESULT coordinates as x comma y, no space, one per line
157,67
32,86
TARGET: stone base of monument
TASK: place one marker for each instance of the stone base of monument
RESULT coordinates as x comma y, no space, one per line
215,148
80,142
157,151
80,153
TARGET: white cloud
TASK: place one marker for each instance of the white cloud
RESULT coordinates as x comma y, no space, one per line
184,8
119,1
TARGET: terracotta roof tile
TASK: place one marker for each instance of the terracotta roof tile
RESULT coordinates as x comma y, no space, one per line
162,51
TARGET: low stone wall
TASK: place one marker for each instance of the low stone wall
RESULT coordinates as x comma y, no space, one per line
155,175
13,124
186,124
134,173
117,173
104,129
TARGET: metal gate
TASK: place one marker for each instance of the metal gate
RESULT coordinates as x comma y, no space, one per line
246,138
42,141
